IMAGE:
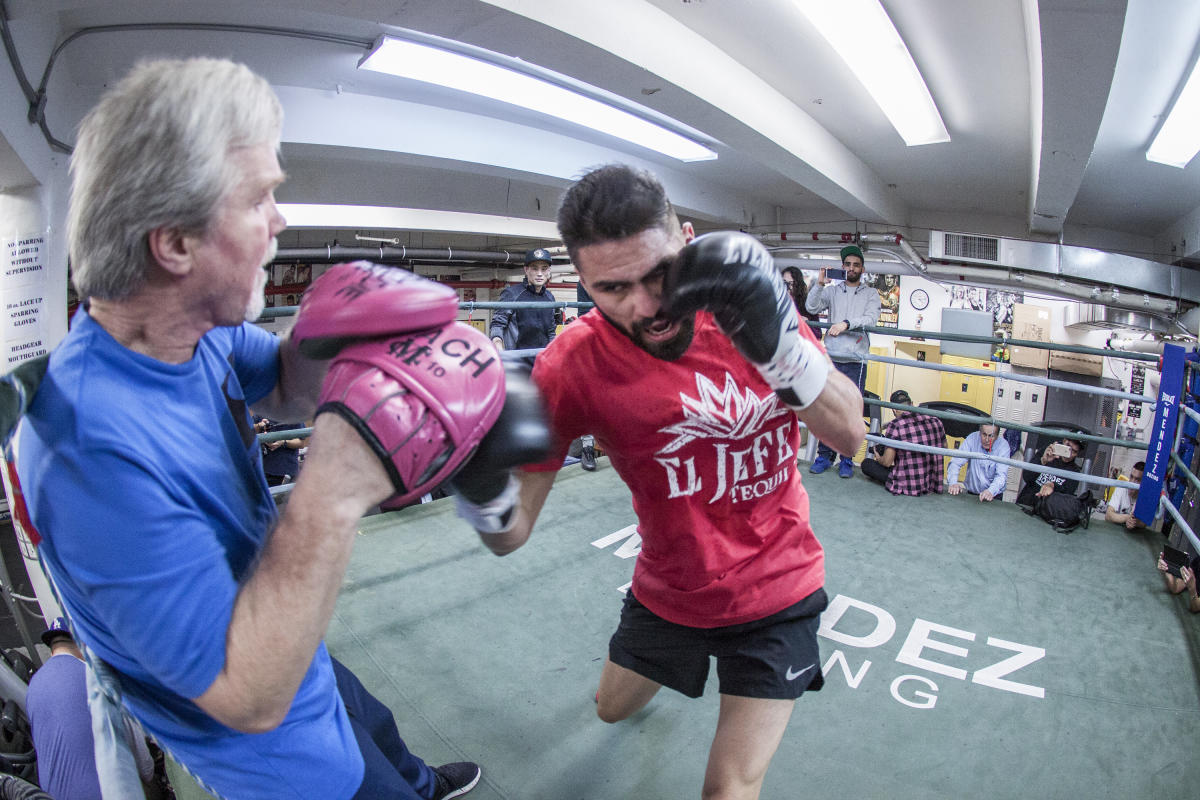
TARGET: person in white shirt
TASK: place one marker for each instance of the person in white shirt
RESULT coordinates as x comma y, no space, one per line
1122,502
984,477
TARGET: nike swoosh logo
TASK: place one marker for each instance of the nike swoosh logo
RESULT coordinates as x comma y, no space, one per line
791,676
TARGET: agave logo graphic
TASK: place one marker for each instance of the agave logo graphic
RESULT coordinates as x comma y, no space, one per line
723,414
733,416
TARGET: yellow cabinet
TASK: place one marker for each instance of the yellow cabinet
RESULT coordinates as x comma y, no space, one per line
976,391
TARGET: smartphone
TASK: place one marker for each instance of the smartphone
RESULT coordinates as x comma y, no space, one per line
1061,450
1175,559
835,273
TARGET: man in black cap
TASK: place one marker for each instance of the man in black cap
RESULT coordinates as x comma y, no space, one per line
852,306
526,328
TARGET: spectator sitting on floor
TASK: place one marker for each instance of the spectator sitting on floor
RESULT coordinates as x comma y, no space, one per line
1062,455
281,458
1187,580
1123,500
908,471
984,477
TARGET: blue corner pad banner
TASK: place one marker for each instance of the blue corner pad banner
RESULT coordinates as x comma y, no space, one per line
1162,438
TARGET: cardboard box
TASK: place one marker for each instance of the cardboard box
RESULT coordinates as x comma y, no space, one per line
1032,323
1079,363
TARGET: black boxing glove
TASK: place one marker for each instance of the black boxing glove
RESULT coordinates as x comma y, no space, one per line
486,491
732,276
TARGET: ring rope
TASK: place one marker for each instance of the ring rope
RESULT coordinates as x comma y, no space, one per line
1017,426
280,436
945,451
1008,376
1187,473
1180,521
967,337
1191,412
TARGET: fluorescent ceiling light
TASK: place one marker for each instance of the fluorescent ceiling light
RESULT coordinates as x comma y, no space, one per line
453,70
1178,139
320,215
863,35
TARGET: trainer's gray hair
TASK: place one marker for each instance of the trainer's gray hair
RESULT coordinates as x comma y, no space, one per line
154,153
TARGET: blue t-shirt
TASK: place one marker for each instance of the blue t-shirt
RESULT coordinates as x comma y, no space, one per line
145,481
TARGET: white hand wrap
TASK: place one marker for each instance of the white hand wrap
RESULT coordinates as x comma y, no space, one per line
494,516
798,366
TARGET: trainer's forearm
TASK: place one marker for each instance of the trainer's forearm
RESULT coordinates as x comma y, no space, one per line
282,611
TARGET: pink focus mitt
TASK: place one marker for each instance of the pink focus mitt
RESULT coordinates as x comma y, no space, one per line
361,300
421,400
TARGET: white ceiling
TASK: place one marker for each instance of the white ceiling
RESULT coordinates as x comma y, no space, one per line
802,147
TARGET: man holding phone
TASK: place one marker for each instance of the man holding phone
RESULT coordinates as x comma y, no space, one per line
852,306
1062,455
1178,569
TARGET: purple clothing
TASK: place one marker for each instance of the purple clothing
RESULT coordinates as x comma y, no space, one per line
916,473
62,729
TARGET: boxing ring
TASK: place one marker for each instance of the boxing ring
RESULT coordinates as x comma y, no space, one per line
968,650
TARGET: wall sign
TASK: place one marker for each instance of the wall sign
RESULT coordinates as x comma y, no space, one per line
24,298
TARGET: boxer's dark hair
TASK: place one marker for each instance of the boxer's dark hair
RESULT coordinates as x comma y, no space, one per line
613,202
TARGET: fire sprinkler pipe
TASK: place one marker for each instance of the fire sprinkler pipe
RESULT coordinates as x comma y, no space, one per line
1136,345
335,253
963,273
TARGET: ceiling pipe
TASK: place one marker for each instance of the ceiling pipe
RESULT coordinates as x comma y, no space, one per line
872,244
336,253
959,273
962,273
1135,345
797,238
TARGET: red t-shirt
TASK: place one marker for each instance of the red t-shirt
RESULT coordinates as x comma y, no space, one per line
709,453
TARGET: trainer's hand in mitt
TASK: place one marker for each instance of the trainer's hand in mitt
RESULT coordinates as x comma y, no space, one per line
422,401
360,300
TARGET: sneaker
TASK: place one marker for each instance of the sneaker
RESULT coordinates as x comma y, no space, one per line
820,465
587,455
455,780
846,468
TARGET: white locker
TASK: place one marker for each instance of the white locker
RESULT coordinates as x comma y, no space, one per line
1017,401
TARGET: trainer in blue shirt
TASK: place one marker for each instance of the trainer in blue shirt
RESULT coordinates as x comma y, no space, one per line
984,477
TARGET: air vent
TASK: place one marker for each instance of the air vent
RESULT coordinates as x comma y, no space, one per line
977,248
1096,317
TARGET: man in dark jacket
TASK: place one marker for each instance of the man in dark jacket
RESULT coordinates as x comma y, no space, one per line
526,328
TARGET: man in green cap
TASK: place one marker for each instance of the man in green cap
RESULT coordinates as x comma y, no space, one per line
852,306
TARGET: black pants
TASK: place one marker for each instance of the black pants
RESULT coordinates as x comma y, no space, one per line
874,470
856,371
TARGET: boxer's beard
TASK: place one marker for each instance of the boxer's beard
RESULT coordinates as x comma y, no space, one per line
671,349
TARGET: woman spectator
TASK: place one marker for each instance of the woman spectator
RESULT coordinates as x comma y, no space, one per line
798,289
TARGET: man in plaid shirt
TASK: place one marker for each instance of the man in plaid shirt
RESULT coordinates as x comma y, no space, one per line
907,471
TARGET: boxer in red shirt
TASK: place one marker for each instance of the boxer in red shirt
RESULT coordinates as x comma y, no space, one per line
705,368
